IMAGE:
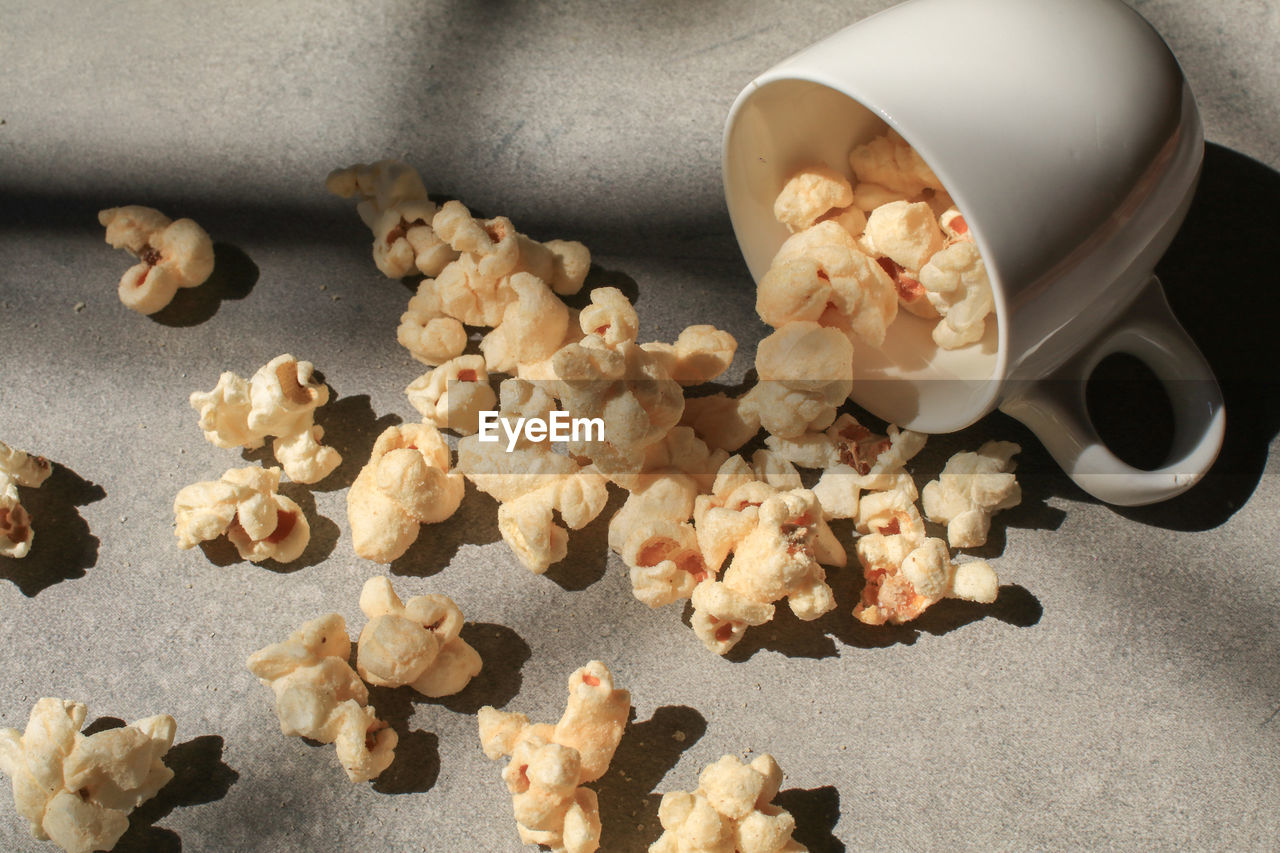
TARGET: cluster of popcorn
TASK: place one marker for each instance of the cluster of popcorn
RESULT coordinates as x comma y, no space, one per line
245,506
78,790
550,764
860,250
318,694
171,254
730,812
18,468
279,400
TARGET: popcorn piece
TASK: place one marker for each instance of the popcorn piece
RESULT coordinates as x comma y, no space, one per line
840,487
809,194
906,233
18,468
245,506
430,335
868,196
415,642
532,327
725,516
720,421
319,696
972,488
889,161
665,561
78,791
394,204
550,764
953,224
805,371
956,284
700,354
532,482
171,254
452,395
847,442
730,811
406,483
279,400
906,574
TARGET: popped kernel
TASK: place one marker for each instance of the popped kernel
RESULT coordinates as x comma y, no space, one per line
720,420
171,254
415,642
406,483
805,371
549,765
971,488
731,811
18,468
726,515
809,194
426,331
531,328
319,696
76,790
664,559
279,400
834,286
888,160
453,395
907,573
699,354
905,232
244,505
847,442
956,283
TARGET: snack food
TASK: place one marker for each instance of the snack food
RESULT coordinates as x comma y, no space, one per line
18,468
550,764
414,642
171,254
279,400
319,696
452,395
972,488
243,504
406,483
730,812
78,790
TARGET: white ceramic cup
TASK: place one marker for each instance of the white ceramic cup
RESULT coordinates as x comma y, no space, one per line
1070,141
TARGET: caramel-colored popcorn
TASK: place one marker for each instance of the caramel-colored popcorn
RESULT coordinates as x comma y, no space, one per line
279,400
406,483
730,812
971,488
431,336
956,283
809,194
245,506
700,354
453,395
18,468
170,254
319,696
550,764
889,161
415,642
78,790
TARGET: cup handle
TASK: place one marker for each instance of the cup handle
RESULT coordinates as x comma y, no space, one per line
1054,408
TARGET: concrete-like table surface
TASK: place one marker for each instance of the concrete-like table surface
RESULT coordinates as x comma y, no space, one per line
1122,693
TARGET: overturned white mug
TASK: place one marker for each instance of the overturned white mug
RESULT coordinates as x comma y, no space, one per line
1070,141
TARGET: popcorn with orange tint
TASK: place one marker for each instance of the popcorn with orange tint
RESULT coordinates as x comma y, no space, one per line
847,442
531,328
393,202
77,790
415,642
319,696
406,483
725,515
244,505
907,233
906,574
956,284
280,400
171,254
731,811
971,488
550,765
452,395
429,334
809,194
18,468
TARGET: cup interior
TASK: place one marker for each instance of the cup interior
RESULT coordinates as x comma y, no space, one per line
782,125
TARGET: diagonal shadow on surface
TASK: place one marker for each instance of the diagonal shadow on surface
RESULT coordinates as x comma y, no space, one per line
63,546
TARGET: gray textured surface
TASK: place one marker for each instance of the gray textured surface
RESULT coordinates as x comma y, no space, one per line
1123,693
